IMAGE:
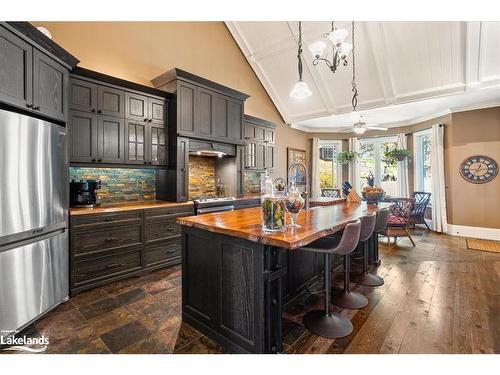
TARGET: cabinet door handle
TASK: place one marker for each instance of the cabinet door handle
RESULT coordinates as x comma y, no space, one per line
145,120
109,239
29,105
99,111
109,219
92,110
112,265
99,160
150,120
36,108
93,160
171,251
145,163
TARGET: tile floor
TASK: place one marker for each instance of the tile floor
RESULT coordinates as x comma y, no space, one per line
437,298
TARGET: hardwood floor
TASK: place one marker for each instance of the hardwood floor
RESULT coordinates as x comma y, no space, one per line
438,297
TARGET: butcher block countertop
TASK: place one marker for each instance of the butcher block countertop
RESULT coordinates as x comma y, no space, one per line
318,222
325,201
125,206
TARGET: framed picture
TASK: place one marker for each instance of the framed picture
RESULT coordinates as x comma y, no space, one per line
297,173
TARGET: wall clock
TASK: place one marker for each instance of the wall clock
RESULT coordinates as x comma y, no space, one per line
479,169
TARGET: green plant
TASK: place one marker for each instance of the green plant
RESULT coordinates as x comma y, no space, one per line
346,157
398,154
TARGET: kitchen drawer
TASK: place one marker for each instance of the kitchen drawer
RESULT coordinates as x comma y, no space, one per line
98,240
99,221
96,269
182,210
162,252
161,229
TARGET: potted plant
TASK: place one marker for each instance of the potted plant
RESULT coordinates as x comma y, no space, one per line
396,155
346,157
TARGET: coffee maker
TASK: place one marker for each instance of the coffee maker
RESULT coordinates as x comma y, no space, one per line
84,193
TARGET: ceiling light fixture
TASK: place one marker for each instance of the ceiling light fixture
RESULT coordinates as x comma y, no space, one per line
300,90
339,51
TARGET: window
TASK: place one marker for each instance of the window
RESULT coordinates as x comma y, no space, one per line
422,157
372,163
329,170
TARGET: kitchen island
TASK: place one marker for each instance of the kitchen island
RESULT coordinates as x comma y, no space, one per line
237,279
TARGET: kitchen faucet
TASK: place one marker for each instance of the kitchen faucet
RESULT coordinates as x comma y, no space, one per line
305,193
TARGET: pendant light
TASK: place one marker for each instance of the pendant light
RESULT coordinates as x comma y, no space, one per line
354,116
300,90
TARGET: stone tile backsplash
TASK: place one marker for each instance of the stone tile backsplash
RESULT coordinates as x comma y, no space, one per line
119,184
201,176
252,183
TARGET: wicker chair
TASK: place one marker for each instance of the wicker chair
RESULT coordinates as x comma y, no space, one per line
399,219
422,199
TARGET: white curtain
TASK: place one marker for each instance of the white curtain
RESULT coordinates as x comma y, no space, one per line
315,186
354,178
402,171
438,199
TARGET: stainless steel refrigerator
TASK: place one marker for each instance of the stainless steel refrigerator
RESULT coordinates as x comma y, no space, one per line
34,259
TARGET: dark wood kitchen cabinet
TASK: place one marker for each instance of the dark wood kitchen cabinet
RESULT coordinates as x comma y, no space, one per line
33,78
145,143
259,149
16,69
106,247
204,109
82,136
110,101
110,140
144,108
132,125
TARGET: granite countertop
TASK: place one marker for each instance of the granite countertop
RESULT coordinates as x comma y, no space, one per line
125,206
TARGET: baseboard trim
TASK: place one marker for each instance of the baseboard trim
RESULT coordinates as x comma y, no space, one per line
476,232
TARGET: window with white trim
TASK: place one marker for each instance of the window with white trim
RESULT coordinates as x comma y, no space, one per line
330,172
371,163
422,142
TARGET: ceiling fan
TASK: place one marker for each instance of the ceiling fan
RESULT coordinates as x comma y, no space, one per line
360,126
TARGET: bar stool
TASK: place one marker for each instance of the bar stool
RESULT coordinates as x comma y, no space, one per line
380,225
366,278
323,322
346,298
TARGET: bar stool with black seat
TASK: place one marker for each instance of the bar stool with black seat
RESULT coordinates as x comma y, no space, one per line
380,225
366,278
324,322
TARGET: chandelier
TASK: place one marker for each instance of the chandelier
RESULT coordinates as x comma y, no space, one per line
338,51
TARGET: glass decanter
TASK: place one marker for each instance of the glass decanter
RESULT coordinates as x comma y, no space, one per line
273,208
294,203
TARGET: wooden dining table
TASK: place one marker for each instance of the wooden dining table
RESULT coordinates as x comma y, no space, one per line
237,279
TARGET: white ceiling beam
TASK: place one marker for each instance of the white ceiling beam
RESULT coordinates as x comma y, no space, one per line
472,55
264,80
375,39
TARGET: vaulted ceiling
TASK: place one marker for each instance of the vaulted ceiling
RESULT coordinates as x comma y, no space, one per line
404,70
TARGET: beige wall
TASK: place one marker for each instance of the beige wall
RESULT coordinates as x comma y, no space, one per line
474,132
140,51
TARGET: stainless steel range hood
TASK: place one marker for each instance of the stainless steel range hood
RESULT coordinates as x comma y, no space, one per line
211,149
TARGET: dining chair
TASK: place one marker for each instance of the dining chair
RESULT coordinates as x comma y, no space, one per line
399,218
417,215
